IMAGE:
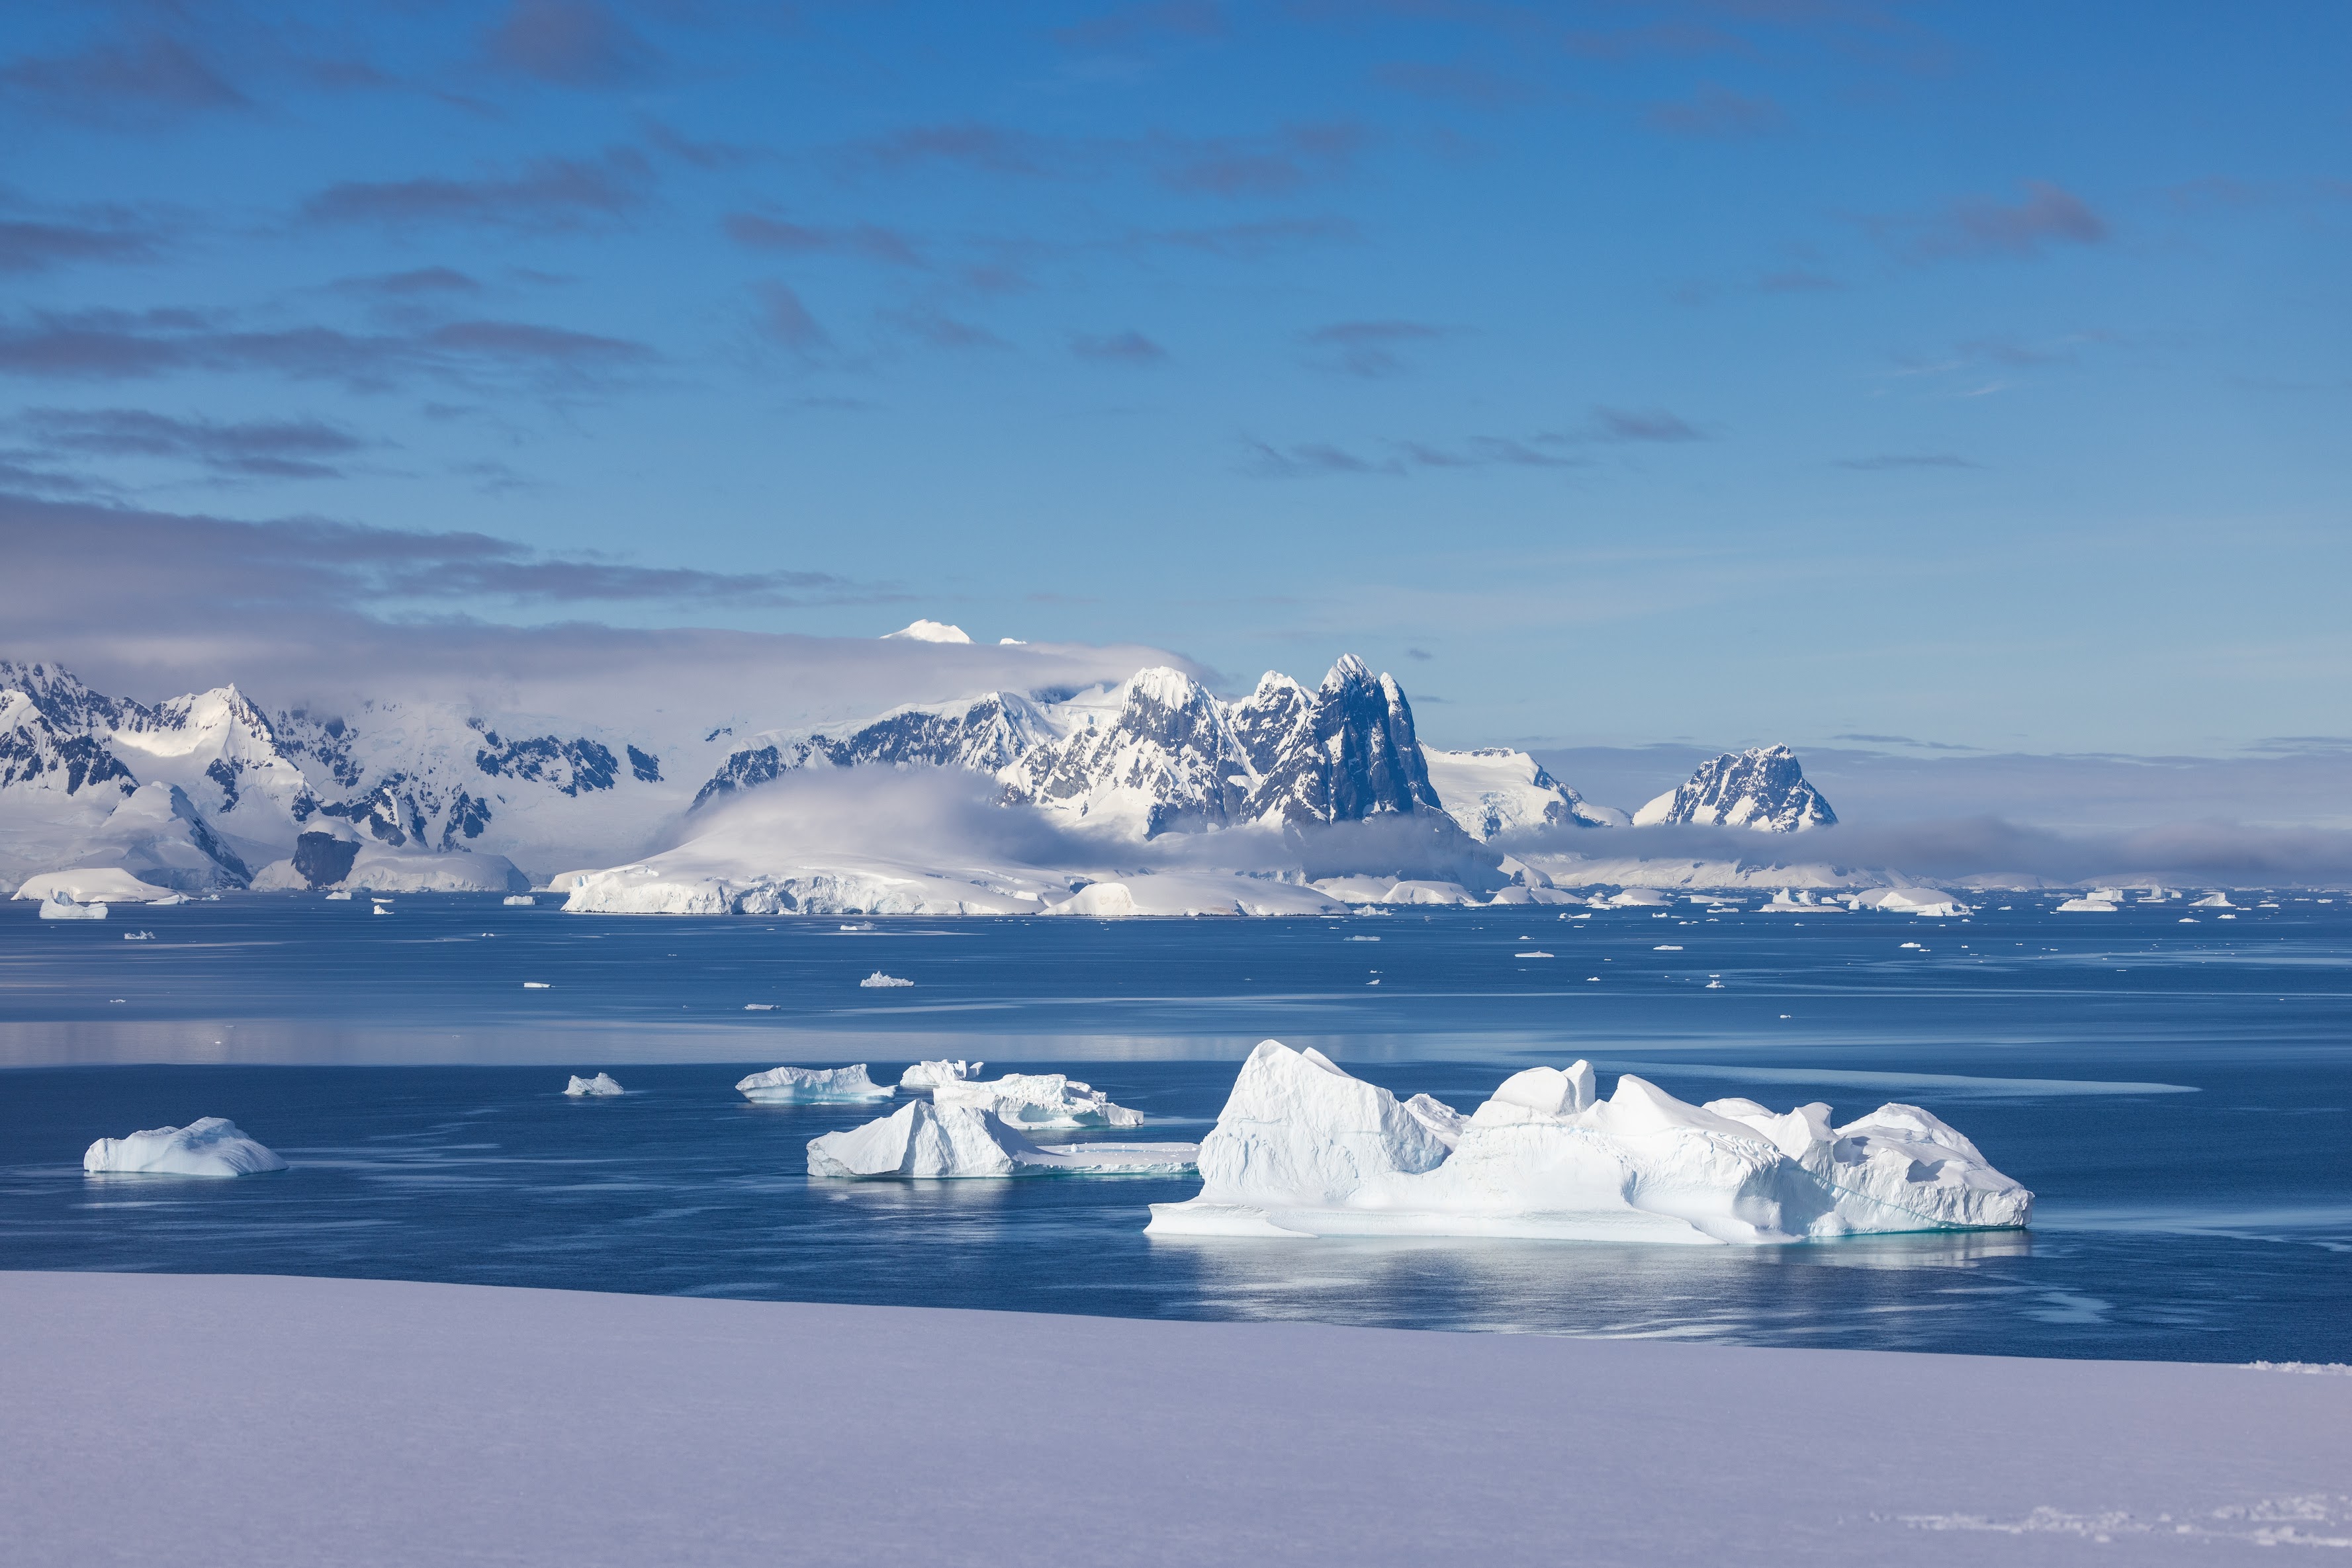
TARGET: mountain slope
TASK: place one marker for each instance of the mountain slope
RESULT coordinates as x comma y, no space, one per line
1763,789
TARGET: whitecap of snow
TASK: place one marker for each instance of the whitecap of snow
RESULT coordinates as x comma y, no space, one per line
597,1087
789,1085
209,1147
926,1139
1304,1148
1037,1099
927,632
931,1075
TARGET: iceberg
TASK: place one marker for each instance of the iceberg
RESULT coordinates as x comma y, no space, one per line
932,1074
1036,1099
517,901
791,1085
209,1147
597,1087
1302,1148
877,980
92,884
2094,904
57,906
921,1139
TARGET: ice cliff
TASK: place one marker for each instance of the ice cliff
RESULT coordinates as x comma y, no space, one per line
1303,1148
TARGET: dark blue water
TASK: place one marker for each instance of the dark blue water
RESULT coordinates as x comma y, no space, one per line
2179,1095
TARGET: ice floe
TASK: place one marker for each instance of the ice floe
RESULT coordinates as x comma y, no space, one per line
877,980
596,1088
519,901
931,1075
1037,1099
1303,1148
784,1085
208,1146
925,1139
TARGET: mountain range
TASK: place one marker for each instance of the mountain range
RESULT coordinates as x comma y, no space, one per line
211,790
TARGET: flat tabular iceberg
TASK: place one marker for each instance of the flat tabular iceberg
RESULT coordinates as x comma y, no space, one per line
598,1086
1304,1149
920,1139
931,1075
209,1147
1037,1099
781,1085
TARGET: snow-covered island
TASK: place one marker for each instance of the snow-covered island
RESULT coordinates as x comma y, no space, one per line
208,1146
1302,1148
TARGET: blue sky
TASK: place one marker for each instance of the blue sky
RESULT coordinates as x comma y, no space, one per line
1616,373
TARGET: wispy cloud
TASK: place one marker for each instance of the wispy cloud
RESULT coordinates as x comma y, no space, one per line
548,194
568,43
1472,85
1288,160
1367,348
1715,110
1643,424
760,231
783,317
1398,458
1117,347
2044,217
263,449
33,238
143,77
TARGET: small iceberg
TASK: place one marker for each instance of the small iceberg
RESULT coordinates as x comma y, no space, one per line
1539,953
519,901
139,936
1036,1099
805,1085
342,897
877,979
384,909
57,906
1667,947
932,1074
1303,1148
859,926
527,985
759,1007
925,1140
2212,901
2094,904
595,1087
209,1147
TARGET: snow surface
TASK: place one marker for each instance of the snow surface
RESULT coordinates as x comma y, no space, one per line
57,906
209,1147
598,1087
781,1085
926,1139
929,1074
1036,1099
1302,1148
927,632
1193,894
287,1422
92,884
1495,791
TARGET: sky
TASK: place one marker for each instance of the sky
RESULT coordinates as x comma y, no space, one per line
1906,377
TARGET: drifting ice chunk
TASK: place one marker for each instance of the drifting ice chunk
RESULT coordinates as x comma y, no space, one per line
2094,904
60,907
519,901
1037,1099
1302,1148
931,1075
877,979
210,1146
598,1086
783,1085
2213,901
920,1139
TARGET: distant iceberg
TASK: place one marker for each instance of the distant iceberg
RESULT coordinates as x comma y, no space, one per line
877,980
597,1087
931,1075
60,907
517,901
210,1146
924,1140
1036,1099
1304,1149
787,1085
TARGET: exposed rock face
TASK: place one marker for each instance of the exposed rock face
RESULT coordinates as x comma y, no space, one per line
1763,789
323,859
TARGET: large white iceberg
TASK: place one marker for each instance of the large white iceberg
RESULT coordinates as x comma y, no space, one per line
1037,1099
598,1087
1304,1149
786,1085
60,907
92,884
921,1139
932,1074
209,1147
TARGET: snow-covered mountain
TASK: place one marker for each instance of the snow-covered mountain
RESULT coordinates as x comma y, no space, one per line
1159,752
1495,791
1763,789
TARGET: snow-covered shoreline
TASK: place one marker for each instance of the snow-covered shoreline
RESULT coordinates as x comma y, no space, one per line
279,1421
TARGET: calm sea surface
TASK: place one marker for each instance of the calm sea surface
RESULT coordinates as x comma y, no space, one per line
2179,1095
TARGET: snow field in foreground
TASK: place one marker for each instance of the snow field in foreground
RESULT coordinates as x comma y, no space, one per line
282,1423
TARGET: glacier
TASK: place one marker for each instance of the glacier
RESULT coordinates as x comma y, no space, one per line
923,1139
793,1086
208,1146
1303,1148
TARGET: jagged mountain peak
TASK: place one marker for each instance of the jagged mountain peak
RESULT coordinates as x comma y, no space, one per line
1763,788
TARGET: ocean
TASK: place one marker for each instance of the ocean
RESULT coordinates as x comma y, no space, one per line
2175,1086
